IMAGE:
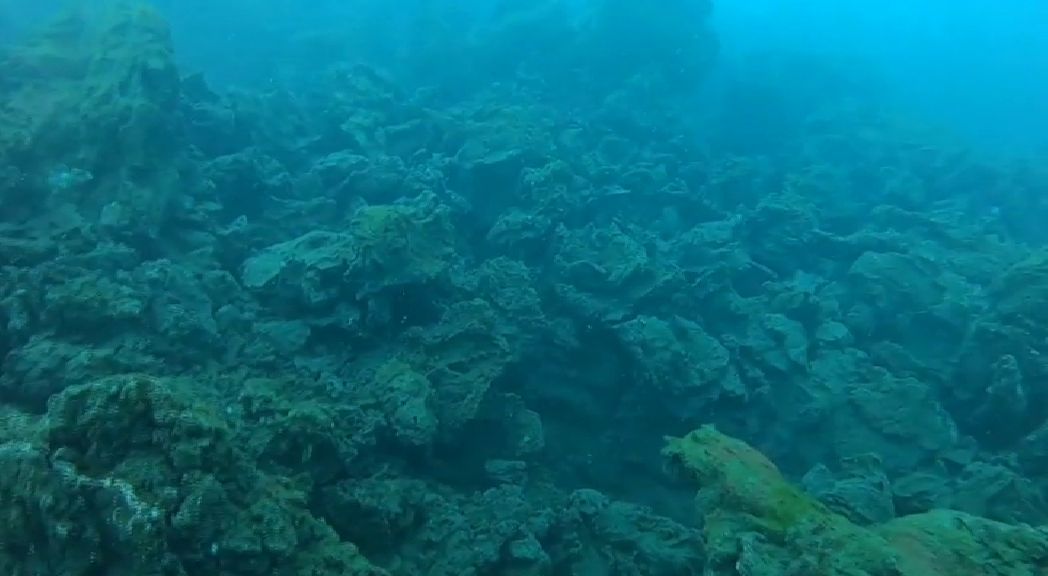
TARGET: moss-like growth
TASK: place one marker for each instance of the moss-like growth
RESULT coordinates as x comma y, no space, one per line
754,517
136,475
1020,293
462,356
89,115
402,243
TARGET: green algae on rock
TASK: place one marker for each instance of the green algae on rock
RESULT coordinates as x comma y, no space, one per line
755,522
137,475
95,94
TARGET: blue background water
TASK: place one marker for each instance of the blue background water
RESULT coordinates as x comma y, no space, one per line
978,66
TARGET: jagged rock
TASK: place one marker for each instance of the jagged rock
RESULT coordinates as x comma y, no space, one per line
609,537
909,299
246,183
521,428
294,426
308,269
777,344
1003,354
679,363
860,491
194,501
93,302
90,116
463,355
43,367
408,402
921,492
30,251
783,233
520,234
287,337
377,513
511,288
506,471
211,122
834,334
402,244
605,261
1033,451
864,408
499,530
58,518
999,493
179,309
602,273
347,178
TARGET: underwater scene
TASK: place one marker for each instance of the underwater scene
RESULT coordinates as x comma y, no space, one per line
523,288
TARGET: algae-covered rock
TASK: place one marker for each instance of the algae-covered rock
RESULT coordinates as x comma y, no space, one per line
386,247
110,422
512,288
308,269
247,182
753,517
1004,355
783,232
946,542
864,408
402,244
59,520
777,344
462,356
408,402
294,425
606,536
180,310
90,116
601,273
44,366
603,261
141,475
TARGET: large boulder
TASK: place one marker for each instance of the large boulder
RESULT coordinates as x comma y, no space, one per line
757,523
90,118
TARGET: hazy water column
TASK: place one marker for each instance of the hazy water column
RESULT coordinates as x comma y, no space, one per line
980,65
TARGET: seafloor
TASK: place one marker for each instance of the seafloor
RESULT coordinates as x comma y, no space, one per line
507,316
